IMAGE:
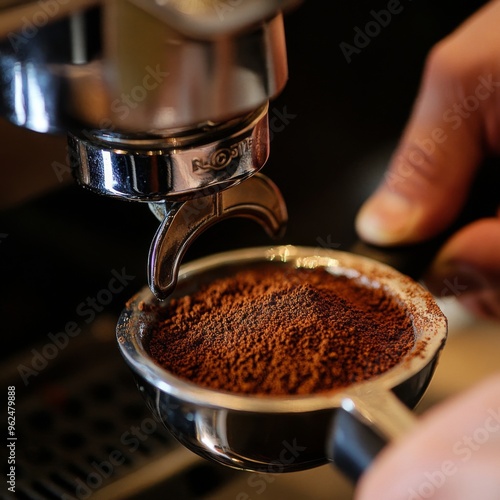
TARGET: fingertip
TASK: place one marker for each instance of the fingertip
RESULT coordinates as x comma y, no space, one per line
388,218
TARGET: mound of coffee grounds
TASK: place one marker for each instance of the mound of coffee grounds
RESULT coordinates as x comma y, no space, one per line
281,331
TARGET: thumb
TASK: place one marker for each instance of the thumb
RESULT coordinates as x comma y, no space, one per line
454,117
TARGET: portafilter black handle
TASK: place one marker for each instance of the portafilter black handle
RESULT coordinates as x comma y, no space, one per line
411,260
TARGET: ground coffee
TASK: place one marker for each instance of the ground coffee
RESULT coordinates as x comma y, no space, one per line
281,331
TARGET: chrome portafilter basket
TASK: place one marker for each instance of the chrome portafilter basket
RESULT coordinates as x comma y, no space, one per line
281,434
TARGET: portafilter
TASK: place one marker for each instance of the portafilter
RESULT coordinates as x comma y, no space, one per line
346,426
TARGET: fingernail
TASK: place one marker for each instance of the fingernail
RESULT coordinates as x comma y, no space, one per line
387,219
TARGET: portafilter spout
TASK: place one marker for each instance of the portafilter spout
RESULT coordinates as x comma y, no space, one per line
257,198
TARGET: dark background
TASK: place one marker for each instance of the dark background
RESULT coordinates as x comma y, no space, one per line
59,248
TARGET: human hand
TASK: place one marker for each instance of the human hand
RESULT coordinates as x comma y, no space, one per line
455,123
454,454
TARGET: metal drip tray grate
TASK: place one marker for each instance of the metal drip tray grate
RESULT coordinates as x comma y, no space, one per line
83,430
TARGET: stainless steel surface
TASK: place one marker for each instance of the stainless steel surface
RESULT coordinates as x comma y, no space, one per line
149,113
257,433
123,70
258,198
173,168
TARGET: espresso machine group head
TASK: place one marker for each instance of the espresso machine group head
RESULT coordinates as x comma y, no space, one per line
163,102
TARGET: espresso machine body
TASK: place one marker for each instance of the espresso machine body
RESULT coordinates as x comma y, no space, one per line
162,103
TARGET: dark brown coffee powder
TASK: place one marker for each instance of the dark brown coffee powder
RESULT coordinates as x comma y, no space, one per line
279,331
